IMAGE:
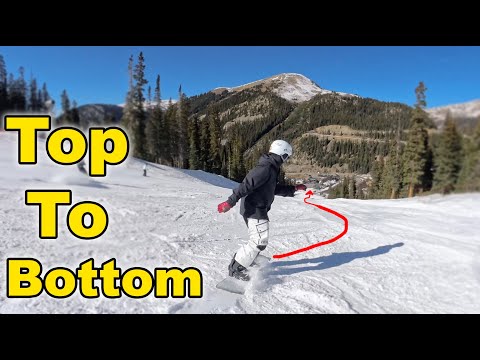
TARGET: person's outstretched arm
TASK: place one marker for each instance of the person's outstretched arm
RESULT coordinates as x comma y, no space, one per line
288,190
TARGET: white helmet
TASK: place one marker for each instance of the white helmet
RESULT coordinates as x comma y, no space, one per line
282,148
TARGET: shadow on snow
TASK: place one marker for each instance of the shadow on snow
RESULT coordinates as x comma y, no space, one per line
326,262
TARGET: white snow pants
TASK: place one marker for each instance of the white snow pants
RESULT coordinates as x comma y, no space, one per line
258,240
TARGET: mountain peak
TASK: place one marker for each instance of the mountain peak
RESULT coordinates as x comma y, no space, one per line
293,87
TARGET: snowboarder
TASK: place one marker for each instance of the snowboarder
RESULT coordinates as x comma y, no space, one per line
257,192
144,169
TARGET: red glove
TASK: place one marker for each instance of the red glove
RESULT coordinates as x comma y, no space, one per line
300,187
224,207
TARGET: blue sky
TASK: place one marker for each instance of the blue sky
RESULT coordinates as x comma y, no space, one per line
98,74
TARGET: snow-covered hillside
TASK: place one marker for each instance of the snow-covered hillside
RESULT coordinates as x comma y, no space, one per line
469,109
417,255
290,86
150,104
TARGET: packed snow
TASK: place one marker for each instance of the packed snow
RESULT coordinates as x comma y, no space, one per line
418,255
213,179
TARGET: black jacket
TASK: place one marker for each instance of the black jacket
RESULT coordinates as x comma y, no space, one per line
259,188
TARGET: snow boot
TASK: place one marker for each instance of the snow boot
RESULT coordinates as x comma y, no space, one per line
238,271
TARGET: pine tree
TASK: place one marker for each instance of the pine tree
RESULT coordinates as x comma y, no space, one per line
194,142
205,147
182,129
241,169
17,91
3,86
75,116
352,190
65,101
215,141
171,144
134,114
67,115
427,182
10,86
417,150
449,159
140,115
469,177
224,160
392,173
420,91
128,110
45,98
237,163
155,131
415,155
22,89
377,178
39,97
345,187
34,101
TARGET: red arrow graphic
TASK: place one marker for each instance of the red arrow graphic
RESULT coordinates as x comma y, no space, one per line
345,229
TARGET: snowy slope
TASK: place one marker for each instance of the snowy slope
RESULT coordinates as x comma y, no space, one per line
290,86
213,179
403,256
469,109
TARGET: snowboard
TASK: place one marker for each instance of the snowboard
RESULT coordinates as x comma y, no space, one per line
237,286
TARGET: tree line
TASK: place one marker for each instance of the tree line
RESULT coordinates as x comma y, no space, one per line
200,132
175,136
225,133
436,163
16,94
356,155
247,117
